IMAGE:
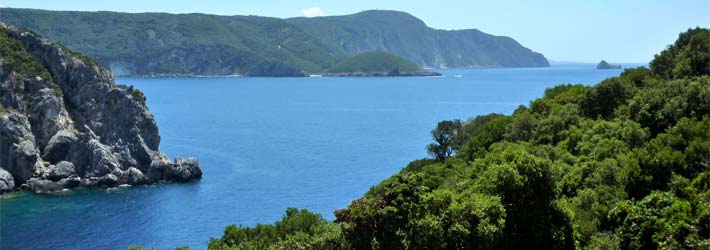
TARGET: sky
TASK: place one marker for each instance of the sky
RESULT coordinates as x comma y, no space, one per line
571,30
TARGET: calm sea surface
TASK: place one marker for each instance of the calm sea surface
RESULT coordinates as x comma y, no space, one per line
266,144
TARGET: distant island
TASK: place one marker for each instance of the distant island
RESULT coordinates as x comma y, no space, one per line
605,65
160,44
377,64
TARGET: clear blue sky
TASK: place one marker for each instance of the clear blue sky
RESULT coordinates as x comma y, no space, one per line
574,30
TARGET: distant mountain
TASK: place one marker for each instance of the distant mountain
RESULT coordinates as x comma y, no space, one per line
170,44
200,44
405,35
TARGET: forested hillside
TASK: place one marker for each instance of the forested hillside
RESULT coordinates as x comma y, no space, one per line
624,164
407,36
198,44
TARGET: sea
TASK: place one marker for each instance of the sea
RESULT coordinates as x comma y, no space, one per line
266,144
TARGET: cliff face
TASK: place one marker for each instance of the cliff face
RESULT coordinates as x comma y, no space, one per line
65,123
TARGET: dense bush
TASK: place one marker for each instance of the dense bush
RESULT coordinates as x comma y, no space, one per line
298,229
688,56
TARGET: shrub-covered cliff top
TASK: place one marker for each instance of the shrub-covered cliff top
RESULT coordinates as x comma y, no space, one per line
16,58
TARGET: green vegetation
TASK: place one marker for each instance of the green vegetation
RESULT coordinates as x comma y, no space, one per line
689,56
624,164
376,61
158,43
16,58
446,137
199,44
407,36
136,94
298,229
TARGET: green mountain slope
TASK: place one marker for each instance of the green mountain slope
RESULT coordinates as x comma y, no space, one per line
405,35
199,44
158,43
624,164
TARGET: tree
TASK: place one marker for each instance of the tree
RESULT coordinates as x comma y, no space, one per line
298,229
480,133
525,183
688,56
659,221
603,99
444,136
405,213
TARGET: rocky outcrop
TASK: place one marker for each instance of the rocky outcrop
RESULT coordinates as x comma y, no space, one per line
7,183
605,65
65,123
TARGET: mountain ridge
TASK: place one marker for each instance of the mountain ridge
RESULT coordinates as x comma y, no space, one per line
164,44
438,41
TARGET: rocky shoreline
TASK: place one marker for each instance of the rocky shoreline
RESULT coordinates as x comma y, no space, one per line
65,123
394,73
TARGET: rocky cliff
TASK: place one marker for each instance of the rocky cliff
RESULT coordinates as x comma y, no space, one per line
65,123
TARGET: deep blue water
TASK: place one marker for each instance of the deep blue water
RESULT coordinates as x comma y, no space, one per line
266,144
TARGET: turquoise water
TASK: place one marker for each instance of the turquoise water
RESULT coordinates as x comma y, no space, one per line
266,144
